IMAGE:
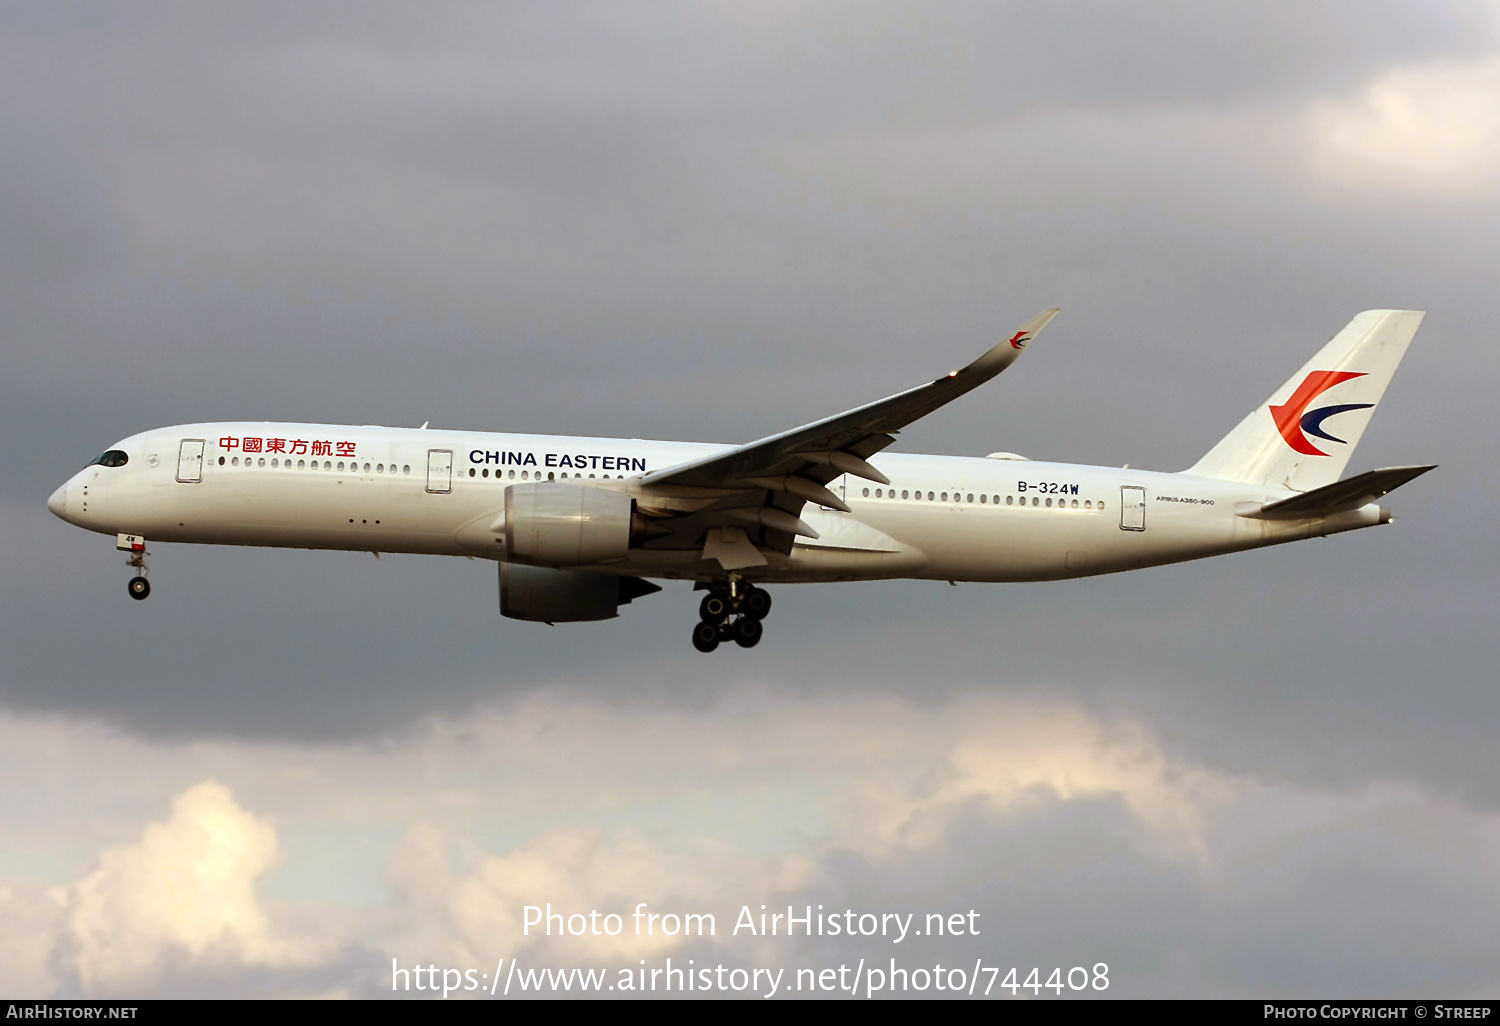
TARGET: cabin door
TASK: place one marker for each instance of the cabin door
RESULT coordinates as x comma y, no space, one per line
440,471
1132,508
190,461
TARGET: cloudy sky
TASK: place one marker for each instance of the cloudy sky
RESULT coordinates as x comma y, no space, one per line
1266,774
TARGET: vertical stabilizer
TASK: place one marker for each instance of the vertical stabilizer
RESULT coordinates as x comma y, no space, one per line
1302,437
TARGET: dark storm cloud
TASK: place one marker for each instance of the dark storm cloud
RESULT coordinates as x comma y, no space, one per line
590,222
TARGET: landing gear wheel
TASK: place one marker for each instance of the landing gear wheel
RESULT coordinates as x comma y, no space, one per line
746,631
706,637
713,608
756,603
139,587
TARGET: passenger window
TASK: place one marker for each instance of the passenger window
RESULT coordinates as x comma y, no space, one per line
867,493
970,498
341,467
929,496
406,468
485,472
221,461
274,463
903,493
261,462
471,472
511,475
367,468
380,468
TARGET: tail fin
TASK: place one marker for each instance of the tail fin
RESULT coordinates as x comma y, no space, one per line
1302,437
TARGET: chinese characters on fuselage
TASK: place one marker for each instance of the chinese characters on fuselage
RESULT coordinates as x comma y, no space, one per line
289,446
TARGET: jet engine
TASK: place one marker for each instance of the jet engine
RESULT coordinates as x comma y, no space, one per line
565,596
553,523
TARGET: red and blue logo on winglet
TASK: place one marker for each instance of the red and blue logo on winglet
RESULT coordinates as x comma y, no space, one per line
1293,417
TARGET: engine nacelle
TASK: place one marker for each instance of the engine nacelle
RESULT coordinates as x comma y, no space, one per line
554,523
565,596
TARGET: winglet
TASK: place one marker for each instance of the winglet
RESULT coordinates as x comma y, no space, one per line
1006,353
1032,328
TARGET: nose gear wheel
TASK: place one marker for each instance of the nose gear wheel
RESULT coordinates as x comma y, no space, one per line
139,587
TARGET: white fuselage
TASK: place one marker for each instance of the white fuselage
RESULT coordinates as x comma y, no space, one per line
319,486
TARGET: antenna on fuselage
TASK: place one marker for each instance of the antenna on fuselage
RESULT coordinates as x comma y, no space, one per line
424,425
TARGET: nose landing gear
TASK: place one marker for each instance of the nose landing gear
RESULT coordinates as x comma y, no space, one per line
731,612
136,546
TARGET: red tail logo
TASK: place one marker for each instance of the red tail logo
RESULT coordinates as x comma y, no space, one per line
1019,339
1293,417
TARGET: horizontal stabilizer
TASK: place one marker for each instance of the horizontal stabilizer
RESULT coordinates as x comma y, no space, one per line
1339,497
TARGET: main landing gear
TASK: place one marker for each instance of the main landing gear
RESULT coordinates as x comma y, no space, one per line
731,612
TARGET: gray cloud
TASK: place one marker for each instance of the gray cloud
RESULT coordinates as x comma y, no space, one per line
694,222
1077,837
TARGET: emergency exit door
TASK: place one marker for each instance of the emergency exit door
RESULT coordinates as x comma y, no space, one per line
1132,508
440,471
190,461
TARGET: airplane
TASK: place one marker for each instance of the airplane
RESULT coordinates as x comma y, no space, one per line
579,526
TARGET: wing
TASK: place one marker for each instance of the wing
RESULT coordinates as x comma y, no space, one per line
761,486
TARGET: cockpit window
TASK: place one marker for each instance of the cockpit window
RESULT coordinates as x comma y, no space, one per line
113,458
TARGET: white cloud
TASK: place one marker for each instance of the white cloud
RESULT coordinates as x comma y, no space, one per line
185,889
478,915
1047,754
755,800
31,920
1433,125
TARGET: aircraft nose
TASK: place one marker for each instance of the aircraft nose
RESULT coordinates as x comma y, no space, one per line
58,502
